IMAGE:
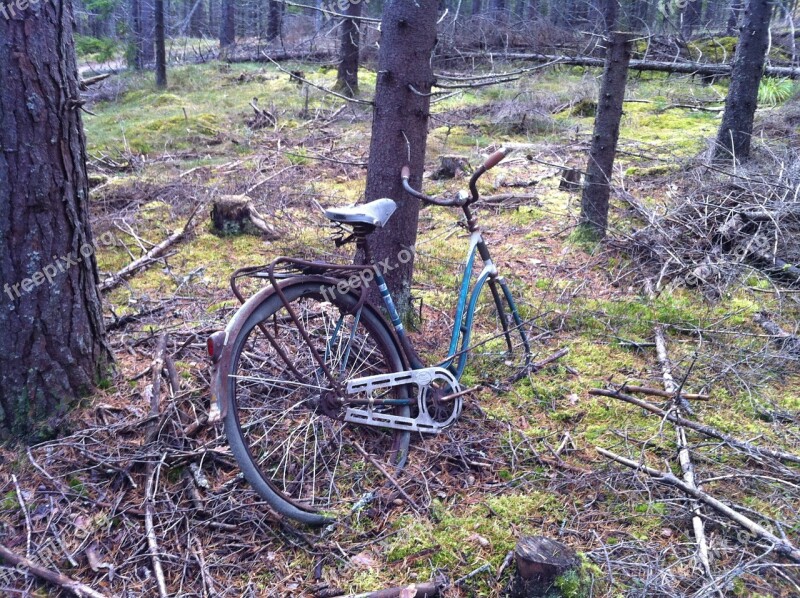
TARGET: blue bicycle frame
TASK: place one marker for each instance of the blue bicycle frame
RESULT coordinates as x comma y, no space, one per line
468,296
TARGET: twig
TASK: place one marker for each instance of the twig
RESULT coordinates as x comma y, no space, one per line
782,547
54,577
152,542
538,365
28,524
741,445
389,477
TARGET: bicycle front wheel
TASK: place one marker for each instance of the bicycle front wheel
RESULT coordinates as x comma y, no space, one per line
284,425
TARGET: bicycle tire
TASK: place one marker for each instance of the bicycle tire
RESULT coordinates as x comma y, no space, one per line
251,434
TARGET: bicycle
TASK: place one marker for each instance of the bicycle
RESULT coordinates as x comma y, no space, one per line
320,394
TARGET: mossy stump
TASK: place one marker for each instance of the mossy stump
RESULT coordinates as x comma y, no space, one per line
450,167
540,563
236,215
570,179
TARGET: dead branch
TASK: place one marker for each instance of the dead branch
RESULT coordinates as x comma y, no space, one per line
657,392
538,365
685,68
152,542
422,590
150,257
782,547
742,445
788,342
684,457
89,81
55,578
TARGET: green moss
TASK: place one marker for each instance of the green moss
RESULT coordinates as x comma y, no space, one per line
715,49
651,171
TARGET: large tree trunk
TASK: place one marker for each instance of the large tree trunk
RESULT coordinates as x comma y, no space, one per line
733,139
161,48
275,20
476,7
347,77
400,130
197,20
597,186
227,28
52,350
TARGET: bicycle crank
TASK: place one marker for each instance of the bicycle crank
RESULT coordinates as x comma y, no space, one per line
439,400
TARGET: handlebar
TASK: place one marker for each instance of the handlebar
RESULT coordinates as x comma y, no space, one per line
461,199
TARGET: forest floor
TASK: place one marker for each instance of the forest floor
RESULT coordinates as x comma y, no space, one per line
522,459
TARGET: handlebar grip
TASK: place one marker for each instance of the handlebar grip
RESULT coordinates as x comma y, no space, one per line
495,158
405,173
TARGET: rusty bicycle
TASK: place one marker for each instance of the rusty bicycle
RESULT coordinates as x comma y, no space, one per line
321,390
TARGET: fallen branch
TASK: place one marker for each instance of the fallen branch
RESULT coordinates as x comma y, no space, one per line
147,259
742,445
538,365
782,547
657,392
55,578
89,81
685,68
684,457
421,590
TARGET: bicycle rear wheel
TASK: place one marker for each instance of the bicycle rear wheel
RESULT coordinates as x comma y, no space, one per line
282,424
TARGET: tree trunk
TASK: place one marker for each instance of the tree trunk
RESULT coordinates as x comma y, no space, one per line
197,20
400,131
275,20
227,28
690,17
136,38
733,16
597,186
476,7
733,139
347,77
52,351
161,48
147,13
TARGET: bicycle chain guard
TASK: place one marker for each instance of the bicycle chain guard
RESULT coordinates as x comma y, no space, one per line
423,379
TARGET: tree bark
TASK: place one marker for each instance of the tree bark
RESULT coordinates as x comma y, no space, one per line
347,76
161,49
274,20
52,351
227,27
476,7
148,45
135,40
690,17
597,186
733,16
540,562
400,130
733,139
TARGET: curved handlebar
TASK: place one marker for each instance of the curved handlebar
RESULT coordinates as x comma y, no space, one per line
491,162
405,173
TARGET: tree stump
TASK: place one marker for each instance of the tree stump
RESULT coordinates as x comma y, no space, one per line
570,179
450,167
540,561
236,215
